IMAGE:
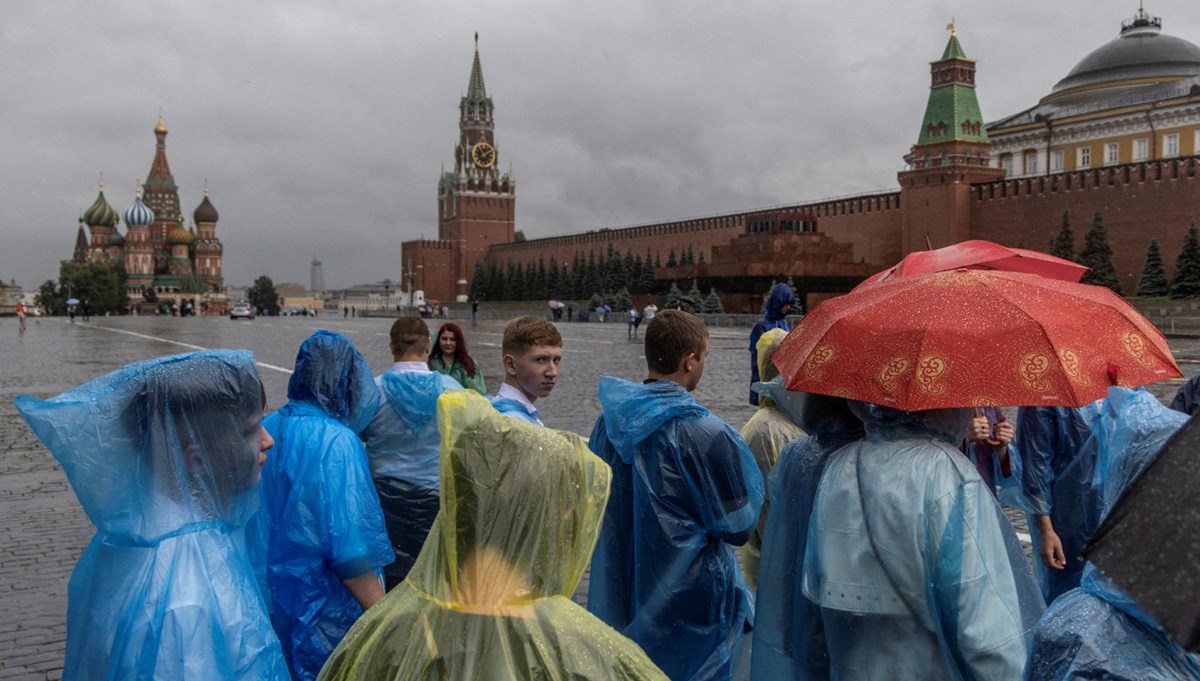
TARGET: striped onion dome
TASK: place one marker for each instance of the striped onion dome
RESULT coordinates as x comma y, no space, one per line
139,215
100,214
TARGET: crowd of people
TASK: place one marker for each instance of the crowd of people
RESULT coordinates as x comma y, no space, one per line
409,525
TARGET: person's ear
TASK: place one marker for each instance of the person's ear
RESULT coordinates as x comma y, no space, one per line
510,365
689,362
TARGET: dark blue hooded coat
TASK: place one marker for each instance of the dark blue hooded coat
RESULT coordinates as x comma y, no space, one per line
773,317
685,490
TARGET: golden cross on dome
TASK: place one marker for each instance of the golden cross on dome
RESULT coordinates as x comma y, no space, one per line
950,27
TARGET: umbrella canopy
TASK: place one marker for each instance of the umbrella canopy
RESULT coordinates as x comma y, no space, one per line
1148,545
973,338
981,255
72,301
555,305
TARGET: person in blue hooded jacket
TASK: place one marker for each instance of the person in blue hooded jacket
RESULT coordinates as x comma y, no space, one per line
1096,631
1056,469
789,638
164,456
403,444
326,539
915,569
774,316
1187,398
685,491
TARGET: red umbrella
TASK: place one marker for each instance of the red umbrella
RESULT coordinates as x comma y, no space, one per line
973,338
982,255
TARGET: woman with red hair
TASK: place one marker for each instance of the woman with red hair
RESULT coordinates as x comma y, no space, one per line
450,357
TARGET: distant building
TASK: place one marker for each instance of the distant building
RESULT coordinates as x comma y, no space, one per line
164,260
476,204
316,278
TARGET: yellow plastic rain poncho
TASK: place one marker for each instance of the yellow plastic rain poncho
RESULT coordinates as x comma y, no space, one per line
489,595
766,434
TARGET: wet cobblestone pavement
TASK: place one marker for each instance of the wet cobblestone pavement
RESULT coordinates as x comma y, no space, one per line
44,530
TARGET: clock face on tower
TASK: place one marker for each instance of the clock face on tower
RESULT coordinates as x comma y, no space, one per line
484,155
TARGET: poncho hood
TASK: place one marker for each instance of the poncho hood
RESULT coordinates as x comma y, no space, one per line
332,376
1131,429
414,395
527,497
633,412
885,423
159,447
825,417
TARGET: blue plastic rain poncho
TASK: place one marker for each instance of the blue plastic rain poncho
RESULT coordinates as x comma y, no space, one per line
773,317
489,596
789,638
1096,631
163,456
767,432
402,447
916,570
685,491
1188,397
323,520
1056,473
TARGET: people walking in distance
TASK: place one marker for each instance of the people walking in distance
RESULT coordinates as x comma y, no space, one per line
635,320
326,539
648,312
21,316
532,351
449,356
685,491
402,444
164,456
774,316
474,314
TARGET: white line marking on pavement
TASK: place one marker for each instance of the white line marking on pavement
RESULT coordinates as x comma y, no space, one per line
179,343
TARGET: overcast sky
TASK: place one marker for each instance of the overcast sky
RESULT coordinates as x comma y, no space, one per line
322,127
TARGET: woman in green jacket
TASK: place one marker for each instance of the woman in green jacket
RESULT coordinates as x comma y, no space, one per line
450,357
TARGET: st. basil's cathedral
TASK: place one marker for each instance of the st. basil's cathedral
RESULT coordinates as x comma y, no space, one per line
164,260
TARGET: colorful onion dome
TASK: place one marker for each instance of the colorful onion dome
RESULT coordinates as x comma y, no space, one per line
100,214
139,215
180,235
205,212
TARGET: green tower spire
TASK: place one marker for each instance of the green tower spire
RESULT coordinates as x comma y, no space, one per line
953,110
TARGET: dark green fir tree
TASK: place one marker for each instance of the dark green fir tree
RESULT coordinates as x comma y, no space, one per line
1186,283
1154,277
1097,255
1062,245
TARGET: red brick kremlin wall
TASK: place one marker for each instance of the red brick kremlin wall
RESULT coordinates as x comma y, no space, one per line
433,261
1139,202
870,223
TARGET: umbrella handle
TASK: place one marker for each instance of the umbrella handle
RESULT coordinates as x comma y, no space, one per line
991,430
1113,368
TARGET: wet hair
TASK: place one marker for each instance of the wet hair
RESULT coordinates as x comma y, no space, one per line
523,333
409,335
461,356
670,337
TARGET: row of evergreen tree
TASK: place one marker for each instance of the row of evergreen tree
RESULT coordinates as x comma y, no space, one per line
1097,254
583,277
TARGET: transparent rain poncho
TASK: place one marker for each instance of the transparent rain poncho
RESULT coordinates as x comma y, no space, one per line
916,570
402,443
685,491
767,432
789,638
322,516
1057,467
163,455
1096,631
489,596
